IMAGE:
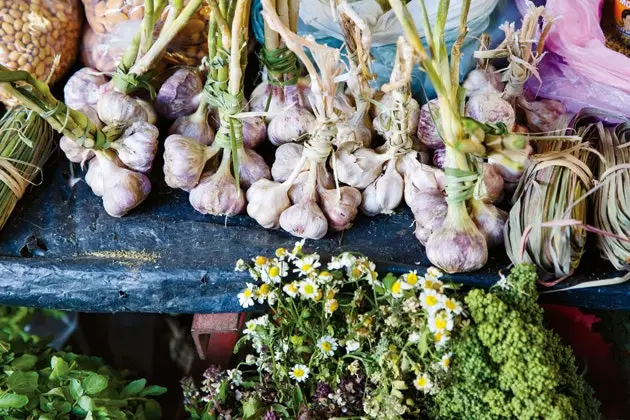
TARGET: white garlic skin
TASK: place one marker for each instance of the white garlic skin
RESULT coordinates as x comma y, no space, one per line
82,89
124,191
74,152
542,115
218,195
457,247
428,123
353,132
358,168
493,183
115,108
180,94
287,158
481,81
95,177
304,220
190,126
384,194
340,206
289,124
184,160
260,96
137,146
252,167
383,114
254,131
491,108
428,206
266,200
324,180
490,221
151,115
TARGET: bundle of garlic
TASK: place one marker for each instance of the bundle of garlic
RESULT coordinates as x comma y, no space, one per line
282,95
301,199
219,191
118,153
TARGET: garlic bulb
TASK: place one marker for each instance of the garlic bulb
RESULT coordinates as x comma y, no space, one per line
266,200
490,220
491,108
148,108
218,195
489,187
74,152
353,132
382,118
252,167
267,98
137,146
428,206
254,131
358,168
195,127
82,88
287,157
542,115
384,194
439,158
511,163
184,161
340,206
481,81
180,94
304,220
116,109
324,180
290,124
428,125
95,177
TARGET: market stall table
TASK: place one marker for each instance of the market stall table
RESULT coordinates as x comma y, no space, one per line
61,250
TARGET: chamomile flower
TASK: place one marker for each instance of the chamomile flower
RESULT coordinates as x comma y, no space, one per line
307,264
451,305
423,383
440,322
445,361
414,337
246,297
434,272
331,306
275,271
260,261
297,250
440,338
299,373
292,289
327,345
262,292
430,300
343,260
352,345
308,289
410,280
324,277
272,297
431,283
397,289
250,359
353,367
282,253
240,265
250,327
263,321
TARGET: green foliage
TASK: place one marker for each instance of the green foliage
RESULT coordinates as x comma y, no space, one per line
508,365
39,382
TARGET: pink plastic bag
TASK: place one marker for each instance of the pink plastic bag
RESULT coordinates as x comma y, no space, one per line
580,70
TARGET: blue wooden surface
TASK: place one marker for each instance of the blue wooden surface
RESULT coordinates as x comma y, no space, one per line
187,259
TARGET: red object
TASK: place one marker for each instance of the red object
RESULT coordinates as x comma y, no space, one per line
215,336
592,352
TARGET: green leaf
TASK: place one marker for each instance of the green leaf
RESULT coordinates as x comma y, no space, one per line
423,344
23,382
63,407
76,390
298,397
24,362
94,384
250,407
56,391
59,367
134,388
389,281
13,401
153,391
86,403
280,409
152,410
89,416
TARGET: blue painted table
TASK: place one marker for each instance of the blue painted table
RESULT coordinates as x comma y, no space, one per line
61,250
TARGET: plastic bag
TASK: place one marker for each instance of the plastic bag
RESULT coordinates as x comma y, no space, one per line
34,32
113,23
579,69
484,16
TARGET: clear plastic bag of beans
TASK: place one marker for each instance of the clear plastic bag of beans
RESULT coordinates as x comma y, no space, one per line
33,32
114,22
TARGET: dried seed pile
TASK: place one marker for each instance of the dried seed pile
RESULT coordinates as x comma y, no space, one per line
34,31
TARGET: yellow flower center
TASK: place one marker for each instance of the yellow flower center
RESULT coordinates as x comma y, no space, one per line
333,305
319,296
450,304
412,278
326,346
306,267
309,289
247,293
251,325
446,362
274,271
438,337
298,373
356,272
440,323
396,287
263,290
324,274
421,381
293,288
281,252
428,284
368,321
260,260
330,294
431,300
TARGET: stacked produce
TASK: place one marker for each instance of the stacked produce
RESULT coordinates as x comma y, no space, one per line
342,341
301,199
219,191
